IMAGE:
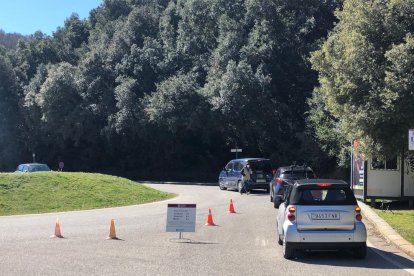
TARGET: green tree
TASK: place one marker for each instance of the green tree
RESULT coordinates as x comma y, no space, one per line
358,66
129,113
9,40
97,84
177,104
59,101
10,119
39,49
71,38
33,132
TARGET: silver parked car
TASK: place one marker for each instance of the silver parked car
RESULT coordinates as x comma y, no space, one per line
32,167
318,214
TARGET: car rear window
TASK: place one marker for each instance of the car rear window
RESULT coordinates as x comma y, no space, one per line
260,165
298,174
39,168
323,196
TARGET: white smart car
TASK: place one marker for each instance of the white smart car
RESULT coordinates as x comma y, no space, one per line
318,214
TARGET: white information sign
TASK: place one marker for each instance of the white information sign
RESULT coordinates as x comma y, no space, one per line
411,139
235,150
181,217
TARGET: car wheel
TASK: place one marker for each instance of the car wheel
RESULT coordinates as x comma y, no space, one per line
239,186
288,251
222,187
360,252
279,241
276,203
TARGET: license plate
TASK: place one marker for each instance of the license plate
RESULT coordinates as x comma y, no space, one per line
260,180
325,216
259,175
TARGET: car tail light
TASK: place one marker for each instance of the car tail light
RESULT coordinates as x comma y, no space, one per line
291,216
279,181
324,185
358,215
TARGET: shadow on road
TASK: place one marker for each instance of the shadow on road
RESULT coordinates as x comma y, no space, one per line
345,259
253,192
189,241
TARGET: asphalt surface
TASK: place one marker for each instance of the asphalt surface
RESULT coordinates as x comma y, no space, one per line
242,244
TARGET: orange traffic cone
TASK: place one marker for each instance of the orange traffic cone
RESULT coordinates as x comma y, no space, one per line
57,230
209,221
231,207
112,234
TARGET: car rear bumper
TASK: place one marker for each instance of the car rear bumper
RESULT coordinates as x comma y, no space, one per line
325,245
254,185
357,235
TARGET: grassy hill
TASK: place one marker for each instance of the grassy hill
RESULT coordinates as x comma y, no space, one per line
44,192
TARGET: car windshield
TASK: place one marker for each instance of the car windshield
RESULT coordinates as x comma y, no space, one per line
39,168
260,165
296,174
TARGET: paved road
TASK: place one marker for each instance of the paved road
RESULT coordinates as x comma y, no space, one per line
241,244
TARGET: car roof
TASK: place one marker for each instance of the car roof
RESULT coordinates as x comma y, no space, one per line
250,159
31,164
294,168
311,182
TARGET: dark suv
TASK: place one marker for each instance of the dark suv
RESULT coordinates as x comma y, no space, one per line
231,178
284,176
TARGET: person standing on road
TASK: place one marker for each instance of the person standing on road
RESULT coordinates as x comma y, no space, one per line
246,173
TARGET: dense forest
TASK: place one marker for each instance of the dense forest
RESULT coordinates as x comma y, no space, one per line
162,89
9,41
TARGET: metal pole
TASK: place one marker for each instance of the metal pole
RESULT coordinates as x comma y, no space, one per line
352,166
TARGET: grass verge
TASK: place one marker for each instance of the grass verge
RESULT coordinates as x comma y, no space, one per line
44,192
401,220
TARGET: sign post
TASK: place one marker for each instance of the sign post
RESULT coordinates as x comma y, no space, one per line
181,218
236,150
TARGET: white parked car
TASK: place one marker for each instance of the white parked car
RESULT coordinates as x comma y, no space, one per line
318,214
